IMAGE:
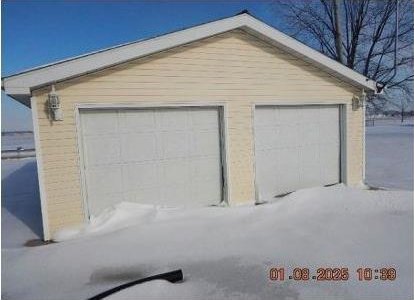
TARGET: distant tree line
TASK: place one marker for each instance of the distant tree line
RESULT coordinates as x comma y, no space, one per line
4,133
396,113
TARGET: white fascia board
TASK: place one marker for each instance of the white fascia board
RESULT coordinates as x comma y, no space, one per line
102,59
114,56
17,90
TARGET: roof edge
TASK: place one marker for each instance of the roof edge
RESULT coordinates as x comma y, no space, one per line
22,83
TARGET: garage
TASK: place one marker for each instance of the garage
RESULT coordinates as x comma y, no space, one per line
162,156
226,112
296,147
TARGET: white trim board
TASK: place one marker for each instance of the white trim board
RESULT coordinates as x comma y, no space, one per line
39,161
20,85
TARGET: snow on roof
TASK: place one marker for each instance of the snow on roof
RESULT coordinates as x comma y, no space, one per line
20,85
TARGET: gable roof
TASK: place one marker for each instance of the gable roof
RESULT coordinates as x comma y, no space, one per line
20,85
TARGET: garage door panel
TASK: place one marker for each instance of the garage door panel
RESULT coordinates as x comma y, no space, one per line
176,171
144,195
105,179
267,158
330,115
329,134
287,158
268,162
96,123
266,184
287,115
206,191
310,134
309,178
286,184
309,156
310,167
140,175
138,147
308,114
265,118
205,143
330,174
174,144
102,150
304,142
158,156
207,168
170,119
325,150
174,195
137,120
289,134
205,119
266,138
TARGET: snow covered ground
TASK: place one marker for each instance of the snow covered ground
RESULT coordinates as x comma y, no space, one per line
20,206
390,154
224,252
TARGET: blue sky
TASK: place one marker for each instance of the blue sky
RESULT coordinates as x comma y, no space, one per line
39,32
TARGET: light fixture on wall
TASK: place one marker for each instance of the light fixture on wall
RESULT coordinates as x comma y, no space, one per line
54,105
357,103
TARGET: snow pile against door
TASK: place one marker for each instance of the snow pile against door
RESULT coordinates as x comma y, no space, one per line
166,156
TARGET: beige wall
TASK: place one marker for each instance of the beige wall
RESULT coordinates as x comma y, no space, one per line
234,68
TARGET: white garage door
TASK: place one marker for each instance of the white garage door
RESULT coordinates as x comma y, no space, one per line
296,147
168,156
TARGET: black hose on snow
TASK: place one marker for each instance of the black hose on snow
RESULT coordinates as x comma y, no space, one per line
173,277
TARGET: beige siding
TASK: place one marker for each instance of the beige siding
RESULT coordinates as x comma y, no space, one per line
234,68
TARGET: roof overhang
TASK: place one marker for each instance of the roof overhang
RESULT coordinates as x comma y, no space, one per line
20,85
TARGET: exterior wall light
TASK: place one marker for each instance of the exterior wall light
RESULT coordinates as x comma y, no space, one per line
357,103
54,105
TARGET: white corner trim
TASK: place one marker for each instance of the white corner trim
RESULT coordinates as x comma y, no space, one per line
25,81
253,128
363,137
343,119
39,162
81,163
224,128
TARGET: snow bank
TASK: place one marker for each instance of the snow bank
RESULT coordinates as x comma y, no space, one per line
337,199
226,252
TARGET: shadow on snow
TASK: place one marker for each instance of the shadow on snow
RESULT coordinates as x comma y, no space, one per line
20,197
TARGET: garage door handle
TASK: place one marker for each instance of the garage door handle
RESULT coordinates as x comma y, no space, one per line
173,277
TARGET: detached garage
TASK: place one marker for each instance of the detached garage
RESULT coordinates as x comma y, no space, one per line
225,113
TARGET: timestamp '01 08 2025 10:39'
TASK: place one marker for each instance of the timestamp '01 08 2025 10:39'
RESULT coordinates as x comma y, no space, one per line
333,274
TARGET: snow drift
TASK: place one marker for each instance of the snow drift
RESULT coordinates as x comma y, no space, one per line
226,252
119,216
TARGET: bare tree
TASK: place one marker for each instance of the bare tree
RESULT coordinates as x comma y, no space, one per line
402,103
360,34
